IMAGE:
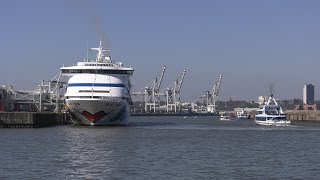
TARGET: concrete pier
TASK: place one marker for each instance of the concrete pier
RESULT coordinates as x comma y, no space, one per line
31,119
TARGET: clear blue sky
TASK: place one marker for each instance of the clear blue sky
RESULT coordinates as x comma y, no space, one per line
254,43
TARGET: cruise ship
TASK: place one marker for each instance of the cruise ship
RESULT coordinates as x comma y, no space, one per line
98,91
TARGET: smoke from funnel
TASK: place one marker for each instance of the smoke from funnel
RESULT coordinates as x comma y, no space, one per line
89,9
271,87
99,30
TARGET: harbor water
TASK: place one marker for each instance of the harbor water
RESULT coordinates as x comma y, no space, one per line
163,148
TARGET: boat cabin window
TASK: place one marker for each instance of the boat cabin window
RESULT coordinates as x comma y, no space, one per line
280,118
260,118
272,112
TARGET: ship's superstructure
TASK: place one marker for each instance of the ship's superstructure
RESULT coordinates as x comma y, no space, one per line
98,91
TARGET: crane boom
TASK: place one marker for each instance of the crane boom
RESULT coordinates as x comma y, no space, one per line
213,96
172,93
160,80
181,81
217,89
152,93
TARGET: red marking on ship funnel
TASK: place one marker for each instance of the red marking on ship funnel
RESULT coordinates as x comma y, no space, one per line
93,117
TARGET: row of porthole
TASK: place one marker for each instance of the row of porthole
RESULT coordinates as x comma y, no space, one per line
99,65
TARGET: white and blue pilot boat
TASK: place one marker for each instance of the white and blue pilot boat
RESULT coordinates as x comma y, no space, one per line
98,91
271,114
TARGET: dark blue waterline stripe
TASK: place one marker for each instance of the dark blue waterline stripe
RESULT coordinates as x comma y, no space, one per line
96,84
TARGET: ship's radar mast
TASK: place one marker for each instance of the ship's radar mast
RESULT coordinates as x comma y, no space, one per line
101,57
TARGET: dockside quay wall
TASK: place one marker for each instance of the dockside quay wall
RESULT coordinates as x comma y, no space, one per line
31,119
303,115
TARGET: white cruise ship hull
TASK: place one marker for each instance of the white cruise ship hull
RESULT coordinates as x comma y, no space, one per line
98,91
99,112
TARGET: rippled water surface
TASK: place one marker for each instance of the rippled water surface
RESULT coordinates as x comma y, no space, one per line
162,148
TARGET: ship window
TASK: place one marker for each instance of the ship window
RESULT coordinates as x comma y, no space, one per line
94,91
98,71
280,118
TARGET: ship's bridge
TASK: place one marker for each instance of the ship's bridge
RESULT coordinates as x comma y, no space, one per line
100,68
103,64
